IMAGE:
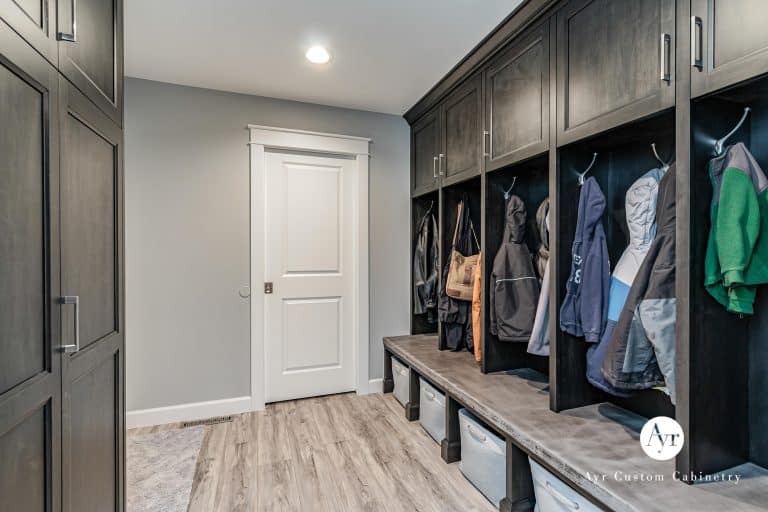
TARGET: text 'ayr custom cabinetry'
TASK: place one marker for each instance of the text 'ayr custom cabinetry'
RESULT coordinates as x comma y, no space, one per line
618,95
62,308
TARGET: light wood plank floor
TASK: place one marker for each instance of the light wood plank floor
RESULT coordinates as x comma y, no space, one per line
335,453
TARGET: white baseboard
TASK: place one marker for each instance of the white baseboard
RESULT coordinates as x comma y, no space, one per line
187,412
376,385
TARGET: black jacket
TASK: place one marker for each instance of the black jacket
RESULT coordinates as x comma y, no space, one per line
514,284
425,269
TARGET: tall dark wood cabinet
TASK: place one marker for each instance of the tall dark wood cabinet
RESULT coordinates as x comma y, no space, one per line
729,43
62,427
461,133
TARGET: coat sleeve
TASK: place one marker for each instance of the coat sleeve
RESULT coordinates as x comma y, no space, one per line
594,289
737,225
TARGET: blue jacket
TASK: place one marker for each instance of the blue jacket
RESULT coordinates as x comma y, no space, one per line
585,306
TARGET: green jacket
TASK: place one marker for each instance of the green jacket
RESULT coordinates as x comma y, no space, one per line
737,250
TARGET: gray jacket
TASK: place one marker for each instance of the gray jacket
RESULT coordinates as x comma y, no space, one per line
539,342
514,285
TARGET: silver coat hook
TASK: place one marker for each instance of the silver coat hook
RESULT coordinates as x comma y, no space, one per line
591,164
509,190
664,165
721,142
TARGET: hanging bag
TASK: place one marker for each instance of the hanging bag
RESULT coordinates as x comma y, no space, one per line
461,273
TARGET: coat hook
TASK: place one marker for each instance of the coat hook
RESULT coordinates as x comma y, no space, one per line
720,142
591,164
507,192
664,165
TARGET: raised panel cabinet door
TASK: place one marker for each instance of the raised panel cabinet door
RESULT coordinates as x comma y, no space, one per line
425,143
517,100
462,133
91,197
35,21
729,43
90,34
615,63
30,360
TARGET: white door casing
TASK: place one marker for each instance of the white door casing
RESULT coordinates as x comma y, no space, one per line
311,335
308,344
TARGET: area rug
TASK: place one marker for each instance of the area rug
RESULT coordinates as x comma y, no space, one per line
160,469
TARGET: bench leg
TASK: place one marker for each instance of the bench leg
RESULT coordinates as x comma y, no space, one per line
412,407
520,496
450,447
389,382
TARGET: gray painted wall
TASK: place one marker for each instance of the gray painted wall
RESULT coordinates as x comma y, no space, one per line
187,234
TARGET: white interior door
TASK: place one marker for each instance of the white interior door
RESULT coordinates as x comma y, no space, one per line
309,348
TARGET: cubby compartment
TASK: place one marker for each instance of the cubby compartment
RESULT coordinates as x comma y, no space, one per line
529,181
619,157
425,321
468,191
725,379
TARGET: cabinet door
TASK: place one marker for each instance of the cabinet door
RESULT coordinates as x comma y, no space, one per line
30,369
91,270
517,100
730,43
91,50
35,21
461,156
615,63
425,148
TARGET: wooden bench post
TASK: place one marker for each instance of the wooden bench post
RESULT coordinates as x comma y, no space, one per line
389,382
520,497
450,447
412,407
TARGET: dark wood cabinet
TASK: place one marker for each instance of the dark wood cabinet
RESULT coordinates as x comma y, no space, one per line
729,43
615,64
30,364
461,133
425,151
91,50
35,21
91,258
517,100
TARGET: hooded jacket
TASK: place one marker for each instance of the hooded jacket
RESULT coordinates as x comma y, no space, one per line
640,211
643,344
514,284
425,269
737,250
539,342
585,306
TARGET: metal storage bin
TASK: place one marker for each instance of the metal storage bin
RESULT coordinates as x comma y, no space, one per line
552,495
400,376
483,458
431,410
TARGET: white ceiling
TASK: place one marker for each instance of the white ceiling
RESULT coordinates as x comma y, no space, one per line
385,53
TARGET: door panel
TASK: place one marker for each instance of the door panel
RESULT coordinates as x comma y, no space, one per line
462,133
733,46
94,60
30,364
92,252
35,21
425,144
517,100
308,345
610,59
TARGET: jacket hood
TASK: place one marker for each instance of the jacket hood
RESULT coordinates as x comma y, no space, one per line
591,208
514,230
640,204
665,207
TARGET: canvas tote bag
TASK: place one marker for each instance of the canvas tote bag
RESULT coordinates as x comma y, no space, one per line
461,273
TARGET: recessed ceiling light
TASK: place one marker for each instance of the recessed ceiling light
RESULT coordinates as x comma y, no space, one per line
318,55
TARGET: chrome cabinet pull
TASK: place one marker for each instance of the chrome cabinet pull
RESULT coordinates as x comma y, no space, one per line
697,60
440,166
74,300
72,36
665,47
486,149
434,167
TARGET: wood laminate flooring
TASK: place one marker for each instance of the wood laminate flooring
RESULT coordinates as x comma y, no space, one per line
334,453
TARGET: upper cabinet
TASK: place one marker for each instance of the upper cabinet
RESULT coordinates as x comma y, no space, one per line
35,21
425,151
729,43
517,100
462,134
90,34
615,63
